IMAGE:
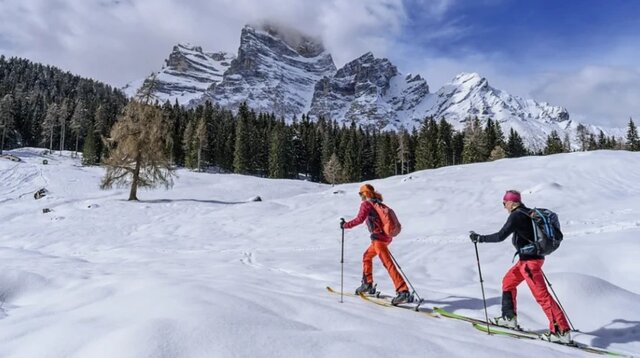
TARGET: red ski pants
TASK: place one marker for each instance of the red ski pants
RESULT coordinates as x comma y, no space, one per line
531,272
379,248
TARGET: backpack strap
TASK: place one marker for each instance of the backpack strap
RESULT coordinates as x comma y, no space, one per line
533,226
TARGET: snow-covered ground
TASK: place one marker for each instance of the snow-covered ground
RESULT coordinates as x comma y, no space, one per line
201,271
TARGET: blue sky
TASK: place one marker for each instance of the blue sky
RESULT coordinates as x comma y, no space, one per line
580,54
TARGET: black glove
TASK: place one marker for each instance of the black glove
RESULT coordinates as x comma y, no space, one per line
342,222
474,237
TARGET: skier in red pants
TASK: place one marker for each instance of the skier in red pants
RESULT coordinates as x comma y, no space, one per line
528,268
378,247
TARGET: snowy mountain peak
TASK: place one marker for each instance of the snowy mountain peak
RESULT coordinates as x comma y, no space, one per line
470,80
186,74
275,71
368,90
304,45
283,71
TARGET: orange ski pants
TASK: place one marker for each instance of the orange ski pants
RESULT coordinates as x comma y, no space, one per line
379,248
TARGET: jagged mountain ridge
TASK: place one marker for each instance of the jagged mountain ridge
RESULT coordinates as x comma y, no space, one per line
275,71
287,73
187,74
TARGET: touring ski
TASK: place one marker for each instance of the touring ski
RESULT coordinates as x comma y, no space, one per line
448,314
384,300
524,335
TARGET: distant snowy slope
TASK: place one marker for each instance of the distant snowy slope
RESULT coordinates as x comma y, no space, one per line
201,271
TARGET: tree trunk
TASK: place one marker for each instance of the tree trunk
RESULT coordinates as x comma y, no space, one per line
199,156
4,129
77,138
134,184
51,141
62,130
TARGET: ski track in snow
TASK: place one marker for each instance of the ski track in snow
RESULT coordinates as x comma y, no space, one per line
200,271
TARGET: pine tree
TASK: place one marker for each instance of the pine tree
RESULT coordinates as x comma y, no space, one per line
49,124
89,150
63,115
457,146
201,138
566,143
554,144
404,150
140,142
7,115
499,135
241,160
633,141
353,155
515,146
427,145
475,142
583,137
592,143
445,143
278,153
79,122
602,141
490,134
190,160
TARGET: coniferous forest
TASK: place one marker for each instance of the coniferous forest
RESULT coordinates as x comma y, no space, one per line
42,106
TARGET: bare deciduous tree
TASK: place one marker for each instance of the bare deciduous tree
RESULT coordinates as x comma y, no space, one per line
139,150
333,170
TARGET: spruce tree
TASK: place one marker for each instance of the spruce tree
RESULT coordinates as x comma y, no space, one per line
7,115
457,146
89,150
404,150
566,143
190,160
445,143
63,115
79,122
554,144
49,124
633,141
201,141
353,155
583,137
515,145
602,141
241,160
278,153
475,142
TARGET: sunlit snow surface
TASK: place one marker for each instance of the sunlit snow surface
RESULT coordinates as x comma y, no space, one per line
202,271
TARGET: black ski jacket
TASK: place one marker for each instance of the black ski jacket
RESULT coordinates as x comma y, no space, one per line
519,224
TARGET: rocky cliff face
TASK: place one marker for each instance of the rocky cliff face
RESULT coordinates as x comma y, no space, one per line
186,75
369,91
276,71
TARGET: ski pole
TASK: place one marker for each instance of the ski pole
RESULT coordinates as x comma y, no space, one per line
484,300
558,301
342,262
405,276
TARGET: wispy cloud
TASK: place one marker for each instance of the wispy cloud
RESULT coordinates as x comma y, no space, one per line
590,67
599,94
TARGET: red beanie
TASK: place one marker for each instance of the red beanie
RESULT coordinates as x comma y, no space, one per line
512,195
